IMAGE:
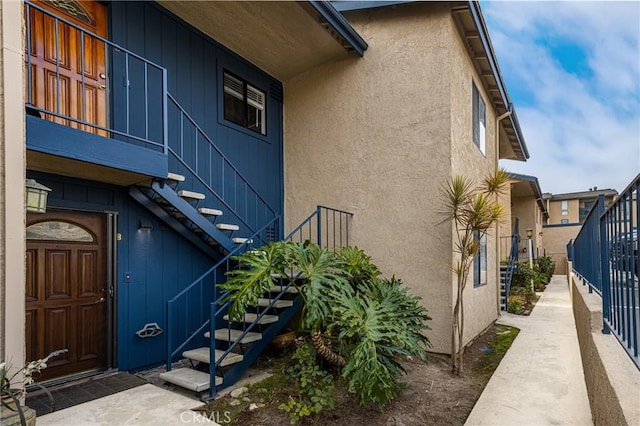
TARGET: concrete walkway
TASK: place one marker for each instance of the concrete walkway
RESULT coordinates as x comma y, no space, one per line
143,405
540,380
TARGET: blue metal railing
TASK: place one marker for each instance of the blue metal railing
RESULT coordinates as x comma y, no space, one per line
605,256
139,122
188,311
213,172
512,261
326,226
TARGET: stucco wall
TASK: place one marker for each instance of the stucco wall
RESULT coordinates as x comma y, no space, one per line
378,136
480,303
555,211
372,136
555,243
12,245
613,381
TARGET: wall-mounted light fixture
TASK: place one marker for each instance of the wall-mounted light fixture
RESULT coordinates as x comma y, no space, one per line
529,233
145,224
36,196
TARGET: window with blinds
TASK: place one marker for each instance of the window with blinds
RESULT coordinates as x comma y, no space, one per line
244,104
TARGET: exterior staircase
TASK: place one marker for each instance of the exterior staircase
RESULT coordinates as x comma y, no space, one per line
235,345
506,271
180,209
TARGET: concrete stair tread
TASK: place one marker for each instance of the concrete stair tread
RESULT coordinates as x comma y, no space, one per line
205,211
233,335
227,227
175,177
191,195
240,240
279,288
188,378
250,317
263,303
202,355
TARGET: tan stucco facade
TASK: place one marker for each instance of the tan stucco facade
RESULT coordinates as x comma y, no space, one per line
379,136
12,243
556,239
527,211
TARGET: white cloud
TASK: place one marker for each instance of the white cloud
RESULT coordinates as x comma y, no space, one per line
582,128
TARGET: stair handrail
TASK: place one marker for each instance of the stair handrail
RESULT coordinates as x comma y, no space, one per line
200,281
227,165
511,263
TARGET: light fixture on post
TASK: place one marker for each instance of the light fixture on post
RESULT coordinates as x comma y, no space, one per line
529,235
145,224
36,196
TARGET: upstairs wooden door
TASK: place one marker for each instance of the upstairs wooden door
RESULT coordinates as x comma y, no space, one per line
58,62
66,291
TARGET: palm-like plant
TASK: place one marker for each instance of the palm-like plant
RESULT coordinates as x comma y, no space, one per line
373,319
473,210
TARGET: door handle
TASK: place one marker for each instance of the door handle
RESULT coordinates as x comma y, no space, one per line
101,86
102,299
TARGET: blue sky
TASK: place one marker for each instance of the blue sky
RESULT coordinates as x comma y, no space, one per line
572,70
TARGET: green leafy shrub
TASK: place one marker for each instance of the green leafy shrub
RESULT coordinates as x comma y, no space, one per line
368,319
315,385
545,268
522,275
515,307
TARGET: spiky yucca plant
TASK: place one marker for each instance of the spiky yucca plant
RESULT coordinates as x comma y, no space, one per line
473,209
372,319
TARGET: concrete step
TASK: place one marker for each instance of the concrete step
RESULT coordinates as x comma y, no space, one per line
209,212
174,177
227,227
250,317
232,335
202,355
279,288
191,195
188,378
263,303
240,240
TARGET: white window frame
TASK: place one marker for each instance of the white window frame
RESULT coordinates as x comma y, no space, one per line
479,118
251,96
480,260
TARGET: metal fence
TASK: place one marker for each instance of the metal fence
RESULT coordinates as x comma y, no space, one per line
605,257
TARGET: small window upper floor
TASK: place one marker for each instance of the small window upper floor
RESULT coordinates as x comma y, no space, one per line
479,120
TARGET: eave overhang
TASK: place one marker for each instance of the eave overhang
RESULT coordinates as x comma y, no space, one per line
471,25
284,39
533,186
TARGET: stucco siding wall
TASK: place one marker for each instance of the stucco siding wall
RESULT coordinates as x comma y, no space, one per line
372,136
555,244
480,303
12,243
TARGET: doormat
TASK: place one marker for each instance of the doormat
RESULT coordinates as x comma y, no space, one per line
68,396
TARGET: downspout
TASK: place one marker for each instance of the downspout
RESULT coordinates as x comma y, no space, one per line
497,148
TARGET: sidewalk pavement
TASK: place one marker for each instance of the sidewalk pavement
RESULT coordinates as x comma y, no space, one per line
540,380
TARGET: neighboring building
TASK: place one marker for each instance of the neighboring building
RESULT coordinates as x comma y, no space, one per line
265,110
573,207
567,212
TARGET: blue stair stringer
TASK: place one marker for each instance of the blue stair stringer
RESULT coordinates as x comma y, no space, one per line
164,202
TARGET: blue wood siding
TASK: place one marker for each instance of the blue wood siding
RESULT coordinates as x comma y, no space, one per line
160,263
194,64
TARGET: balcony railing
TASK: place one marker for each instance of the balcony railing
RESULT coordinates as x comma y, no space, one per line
605,257
76,89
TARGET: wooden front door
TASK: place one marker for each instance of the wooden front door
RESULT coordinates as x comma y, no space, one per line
66,291
59,53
